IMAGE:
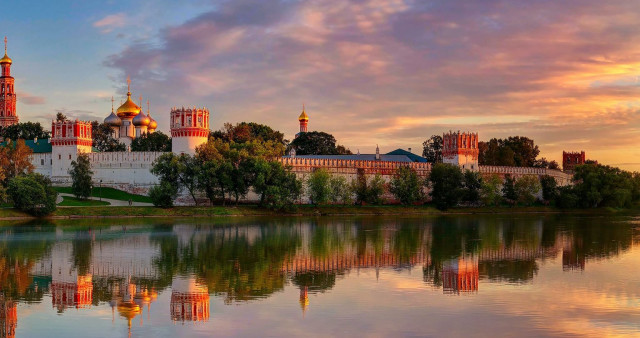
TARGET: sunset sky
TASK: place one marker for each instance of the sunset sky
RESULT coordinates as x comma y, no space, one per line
388,72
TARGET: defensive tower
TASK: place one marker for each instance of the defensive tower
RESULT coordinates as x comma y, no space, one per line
461,149
68,138
189,129
8,114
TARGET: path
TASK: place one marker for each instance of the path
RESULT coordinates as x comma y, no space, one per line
114,203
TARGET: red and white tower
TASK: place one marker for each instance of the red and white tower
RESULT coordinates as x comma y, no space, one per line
189,300
189,129
460,149
8,115
68,138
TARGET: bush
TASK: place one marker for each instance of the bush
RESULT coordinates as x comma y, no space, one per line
567,198
340,190
509,190
526,188
406,186
163,195
472,186
549,188
33,194
368,191
376,190
446,185
491,194
318,186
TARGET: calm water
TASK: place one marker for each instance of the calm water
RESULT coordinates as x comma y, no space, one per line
531,275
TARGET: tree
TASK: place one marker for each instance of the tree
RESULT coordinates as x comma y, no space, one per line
543,163
527,187
278,187
472,184
509,190
340,190
446,185
163,195
432,149
318,186
81,177
156,141
33,194
317,143
15,159
188,170
599,185
25,131
513,151
491,194
60,117
103,139
248,131
376,190
406,185
549,188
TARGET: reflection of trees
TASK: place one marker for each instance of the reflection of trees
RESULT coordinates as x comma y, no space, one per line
512,271
81,247
315,281
17,258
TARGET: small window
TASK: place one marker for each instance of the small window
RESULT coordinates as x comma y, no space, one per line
59,156
69,156
42,161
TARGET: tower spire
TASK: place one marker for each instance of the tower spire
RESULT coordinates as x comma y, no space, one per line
128,85
148,111
112,104
5,45
141,102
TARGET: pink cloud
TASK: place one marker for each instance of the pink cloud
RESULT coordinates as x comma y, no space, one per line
110,22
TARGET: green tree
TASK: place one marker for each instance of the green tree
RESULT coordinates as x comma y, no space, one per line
188,171
549,187
33,194
376,190
432,149
277,186
163,195
513,151
340,190
446,185
527,187
406,186
599,185
509,192
25,131
472,185
318,186
81,177
103,139
491,194
317,143
156,141
60,117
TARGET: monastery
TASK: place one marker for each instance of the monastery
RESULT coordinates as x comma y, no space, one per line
130,171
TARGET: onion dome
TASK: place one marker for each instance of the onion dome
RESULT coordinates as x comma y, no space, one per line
153,124
303,116
141,120
128,109
113,120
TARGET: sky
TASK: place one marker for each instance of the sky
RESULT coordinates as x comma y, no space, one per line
371,72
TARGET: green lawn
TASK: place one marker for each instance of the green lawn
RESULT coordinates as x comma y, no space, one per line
110,193
68,201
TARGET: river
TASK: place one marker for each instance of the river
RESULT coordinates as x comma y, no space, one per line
445,276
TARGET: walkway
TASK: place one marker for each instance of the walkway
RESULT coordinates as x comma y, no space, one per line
114,203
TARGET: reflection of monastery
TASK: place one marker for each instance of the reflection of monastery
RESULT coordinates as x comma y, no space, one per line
190,127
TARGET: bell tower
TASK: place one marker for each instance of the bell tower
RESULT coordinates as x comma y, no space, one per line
8,115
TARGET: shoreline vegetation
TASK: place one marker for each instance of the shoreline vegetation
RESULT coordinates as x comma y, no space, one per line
8,214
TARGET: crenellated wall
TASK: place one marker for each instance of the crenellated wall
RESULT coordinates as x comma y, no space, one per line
515,172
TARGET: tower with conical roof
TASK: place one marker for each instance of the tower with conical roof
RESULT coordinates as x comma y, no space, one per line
8,114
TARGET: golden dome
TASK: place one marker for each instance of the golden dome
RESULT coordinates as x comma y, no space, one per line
129,310
128,109
6,59
141,120
153,125
303,116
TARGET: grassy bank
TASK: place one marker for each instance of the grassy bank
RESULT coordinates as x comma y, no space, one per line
69,201
109,193
249,210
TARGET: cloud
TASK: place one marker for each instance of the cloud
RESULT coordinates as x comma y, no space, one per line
110,22
394,72
29,99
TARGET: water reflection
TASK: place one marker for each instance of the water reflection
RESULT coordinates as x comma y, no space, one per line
128,267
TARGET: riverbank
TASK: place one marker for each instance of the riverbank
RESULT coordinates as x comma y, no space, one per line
305,210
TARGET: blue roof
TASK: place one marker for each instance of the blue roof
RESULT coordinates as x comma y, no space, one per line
412,156
361,157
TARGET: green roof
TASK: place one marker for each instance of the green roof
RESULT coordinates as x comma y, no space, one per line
41,146
412,156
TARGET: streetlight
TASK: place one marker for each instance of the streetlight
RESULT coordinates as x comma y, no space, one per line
100,190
